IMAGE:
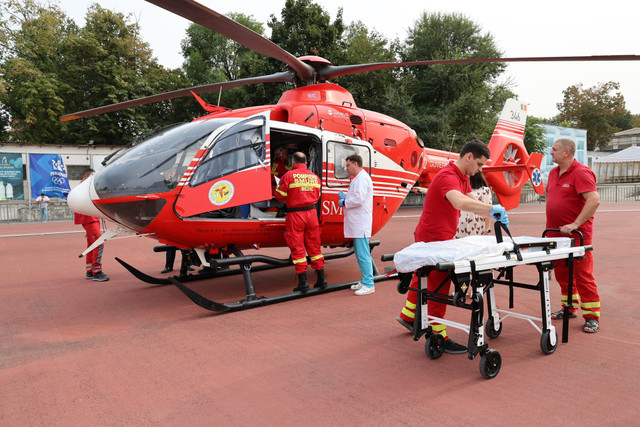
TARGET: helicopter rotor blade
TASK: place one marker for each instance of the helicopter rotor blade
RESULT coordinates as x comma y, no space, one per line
220,24
285,76
332,71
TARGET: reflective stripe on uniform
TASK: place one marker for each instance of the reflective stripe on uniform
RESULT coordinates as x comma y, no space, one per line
281,192
410,305
574,298
590,304
296,185
298,261
590,313
313,258
440,329
410,314
591,308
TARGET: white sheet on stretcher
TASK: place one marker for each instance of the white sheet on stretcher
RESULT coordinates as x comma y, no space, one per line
468,248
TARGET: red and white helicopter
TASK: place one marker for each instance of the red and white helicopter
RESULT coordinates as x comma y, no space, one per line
205,186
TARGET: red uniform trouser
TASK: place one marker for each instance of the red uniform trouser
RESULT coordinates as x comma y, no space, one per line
94,258
585,291
434,308
302,234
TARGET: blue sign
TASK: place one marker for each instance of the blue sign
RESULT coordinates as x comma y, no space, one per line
48,175
11,179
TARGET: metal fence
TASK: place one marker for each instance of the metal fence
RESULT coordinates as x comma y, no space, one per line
13,212
609,193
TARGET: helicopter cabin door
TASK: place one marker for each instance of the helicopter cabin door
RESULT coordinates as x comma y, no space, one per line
233,173
337,177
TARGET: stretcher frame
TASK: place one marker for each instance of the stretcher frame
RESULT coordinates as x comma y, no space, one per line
478,275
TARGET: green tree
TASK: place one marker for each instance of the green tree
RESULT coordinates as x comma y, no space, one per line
32,62
599,109
110,63
211,58
363,46
534,135
453,102
50,67
305,28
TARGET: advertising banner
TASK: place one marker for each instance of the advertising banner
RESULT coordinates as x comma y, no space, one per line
48,175
11,177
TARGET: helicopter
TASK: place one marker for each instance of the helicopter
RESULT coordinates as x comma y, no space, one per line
206,187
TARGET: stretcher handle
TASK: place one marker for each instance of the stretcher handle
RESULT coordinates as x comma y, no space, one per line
387,257
579,233
498,226
565,317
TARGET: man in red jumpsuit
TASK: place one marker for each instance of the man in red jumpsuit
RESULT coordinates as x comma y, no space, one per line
572,200
91,225
279,165
300,189
448,194
278,169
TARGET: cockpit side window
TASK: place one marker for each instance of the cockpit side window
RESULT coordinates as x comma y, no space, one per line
234,151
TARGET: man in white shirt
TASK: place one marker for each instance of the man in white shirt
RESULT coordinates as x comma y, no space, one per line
43,201
358,218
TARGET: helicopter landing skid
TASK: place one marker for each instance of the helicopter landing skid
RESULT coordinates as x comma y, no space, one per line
254,302
223,267
201,275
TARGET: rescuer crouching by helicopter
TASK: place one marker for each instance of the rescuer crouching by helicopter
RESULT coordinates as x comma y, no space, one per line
300,190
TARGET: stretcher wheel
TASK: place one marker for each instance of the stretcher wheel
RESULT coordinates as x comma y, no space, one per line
545,342
490,363
458,298
490,328
405,282
403,288
434,347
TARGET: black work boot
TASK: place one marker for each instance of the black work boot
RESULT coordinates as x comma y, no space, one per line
303,285
321,281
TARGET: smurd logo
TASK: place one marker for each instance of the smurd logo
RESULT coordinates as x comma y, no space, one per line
221,192
536,177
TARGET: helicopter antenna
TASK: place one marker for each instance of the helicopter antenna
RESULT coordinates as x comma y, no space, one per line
452,139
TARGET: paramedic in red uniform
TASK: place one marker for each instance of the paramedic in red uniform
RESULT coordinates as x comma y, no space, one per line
300,189
91,225
278,169
572,200
279,165
448,194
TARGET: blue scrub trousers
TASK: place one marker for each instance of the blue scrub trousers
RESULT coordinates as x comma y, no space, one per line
363,255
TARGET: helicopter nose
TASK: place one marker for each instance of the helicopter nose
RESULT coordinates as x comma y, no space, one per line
79,199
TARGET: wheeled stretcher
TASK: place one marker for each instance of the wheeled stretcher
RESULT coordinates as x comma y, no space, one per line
475,264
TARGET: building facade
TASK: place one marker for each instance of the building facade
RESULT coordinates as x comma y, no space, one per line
625,139
552,134
76,159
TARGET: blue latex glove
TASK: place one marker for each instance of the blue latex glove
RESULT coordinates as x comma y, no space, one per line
499,213
341,197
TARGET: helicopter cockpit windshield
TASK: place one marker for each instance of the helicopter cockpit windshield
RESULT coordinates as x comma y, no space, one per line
156,164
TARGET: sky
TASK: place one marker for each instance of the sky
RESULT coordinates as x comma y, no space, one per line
542,28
